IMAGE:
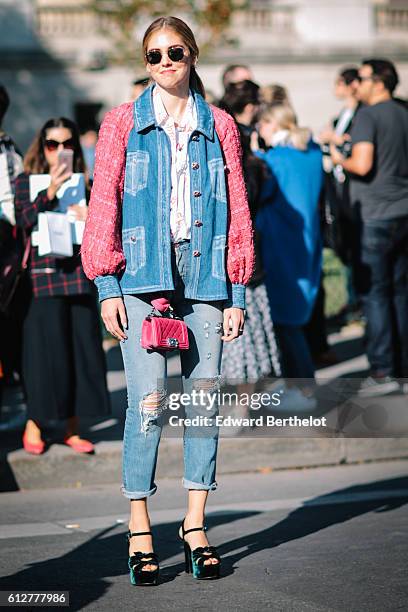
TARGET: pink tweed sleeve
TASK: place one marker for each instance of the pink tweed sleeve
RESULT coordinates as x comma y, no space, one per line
101,249
240,247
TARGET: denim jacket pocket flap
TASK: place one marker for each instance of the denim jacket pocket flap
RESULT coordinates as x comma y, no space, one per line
134,248
137,166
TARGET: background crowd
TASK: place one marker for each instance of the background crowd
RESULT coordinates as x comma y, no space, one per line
345,188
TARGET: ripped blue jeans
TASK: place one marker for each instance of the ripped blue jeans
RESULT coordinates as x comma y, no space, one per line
146,373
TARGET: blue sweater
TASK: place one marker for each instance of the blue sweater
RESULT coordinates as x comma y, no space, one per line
289,226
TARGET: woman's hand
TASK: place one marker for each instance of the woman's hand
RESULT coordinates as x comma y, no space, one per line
326,135
79,212
233,323
58,177
113,314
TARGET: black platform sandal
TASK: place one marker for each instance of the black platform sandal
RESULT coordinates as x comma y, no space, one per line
137,562
194,559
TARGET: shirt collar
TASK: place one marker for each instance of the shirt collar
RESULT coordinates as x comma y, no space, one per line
145,117
189,120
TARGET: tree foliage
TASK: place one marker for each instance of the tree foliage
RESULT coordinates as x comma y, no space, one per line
124,21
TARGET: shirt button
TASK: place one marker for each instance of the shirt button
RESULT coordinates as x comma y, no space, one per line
196,253
197,194
195,165
198,223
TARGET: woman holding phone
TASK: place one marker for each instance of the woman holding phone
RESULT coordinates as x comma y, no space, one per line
63,361
169,217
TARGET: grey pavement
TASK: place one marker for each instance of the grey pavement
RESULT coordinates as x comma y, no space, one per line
321,539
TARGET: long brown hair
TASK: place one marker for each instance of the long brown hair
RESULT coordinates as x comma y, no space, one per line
186,34
35,162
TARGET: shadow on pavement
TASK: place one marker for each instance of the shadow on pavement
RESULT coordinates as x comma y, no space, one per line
87,570
312,517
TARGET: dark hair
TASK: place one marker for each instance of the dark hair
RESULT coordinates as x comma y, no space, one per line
349,74
238,95
231,68
185,32
35,162
4,102
384,71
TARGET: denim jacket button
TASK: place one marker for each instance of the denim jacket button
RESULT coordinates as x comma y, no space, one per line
133,238
197,194
196,253
195,137
198,223
195,165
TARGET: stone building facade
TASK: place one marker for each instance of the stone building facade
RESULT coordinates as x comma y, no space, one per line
55,59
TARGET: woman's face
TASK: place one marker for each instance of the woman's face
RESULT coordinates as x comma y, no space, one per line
170,75
60,135
267,127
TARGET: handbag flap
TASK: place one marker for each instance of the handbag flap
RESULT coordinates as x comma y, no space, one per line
164,330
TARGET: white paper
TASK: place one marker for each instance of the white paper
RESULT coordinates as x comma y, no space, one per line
70,193
78,228
54,235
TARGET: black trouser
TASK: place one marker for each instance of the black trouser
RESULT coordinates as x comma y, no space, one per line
315,330
63,359
385,295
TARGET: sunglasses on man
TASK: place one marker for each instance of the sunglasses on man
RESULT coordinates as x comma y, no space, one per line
52,145
175,53
360,79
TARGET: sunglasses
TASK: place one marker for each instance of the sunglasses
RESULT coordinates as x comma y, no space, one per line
176,54
52,145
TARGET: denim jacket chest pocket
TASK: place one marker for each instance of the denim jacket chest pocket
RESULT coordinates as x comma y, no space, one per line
137,166
217,176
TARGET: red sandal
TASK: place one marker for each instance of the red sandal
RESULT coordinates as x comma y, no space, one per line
79,446
34,448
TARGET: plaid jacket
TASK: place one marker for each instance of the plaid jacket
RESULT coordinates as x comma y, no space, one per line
49,276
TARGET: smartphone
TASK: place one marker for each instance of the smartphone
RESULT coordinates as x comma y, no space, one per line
66,156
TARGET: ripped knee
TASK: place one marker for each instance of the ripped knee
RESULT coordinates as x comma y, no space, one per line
205,400
154,400
151,407
208,385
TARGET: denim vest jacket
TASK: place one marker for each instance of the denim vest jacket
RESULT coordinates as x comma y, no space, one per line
146,211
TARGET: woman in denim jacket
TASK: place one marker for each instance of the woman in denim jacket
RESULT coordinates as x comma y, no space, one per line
169,218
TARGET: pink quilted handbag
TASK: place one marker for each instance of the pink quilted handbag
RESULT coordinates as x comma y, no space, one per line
163,330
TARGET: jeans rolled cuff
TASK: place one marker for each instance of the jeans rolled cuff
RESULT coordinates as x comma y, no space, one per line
138,494
108,286
189,484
